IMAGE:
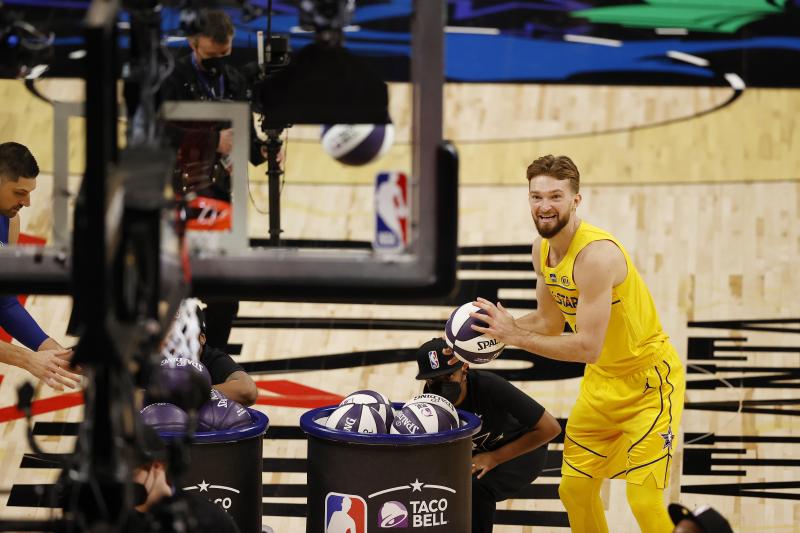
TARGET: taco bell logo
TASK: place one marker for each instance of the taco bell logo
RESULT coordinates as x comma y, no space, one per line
393,514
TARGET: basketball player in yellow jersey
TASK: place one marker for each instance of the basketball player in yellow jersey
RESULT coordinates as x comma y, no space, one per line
625,421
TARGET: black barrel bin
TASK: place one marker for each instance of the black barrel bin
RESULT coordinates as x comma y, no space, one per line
370,482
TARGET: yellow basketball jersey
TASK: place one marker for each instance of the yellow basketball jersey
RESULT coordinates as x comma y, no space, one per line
634,336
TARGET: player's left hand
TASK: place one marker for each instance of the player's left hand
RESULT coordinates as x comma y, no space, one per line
482,463
501,325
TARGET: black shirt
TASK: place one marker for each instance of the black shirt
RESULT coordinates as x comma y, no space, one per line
219,364
204,517
506,411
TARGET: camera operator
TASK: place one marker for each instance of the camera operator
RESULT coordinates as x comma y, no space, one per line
204,148
158,507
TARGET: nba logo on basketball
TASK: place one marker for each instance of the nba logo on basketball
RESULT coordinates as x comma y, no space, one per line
345,513
391,211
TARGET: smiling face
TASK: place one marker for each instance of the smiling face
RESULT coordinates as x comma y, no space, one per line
14,195
552,202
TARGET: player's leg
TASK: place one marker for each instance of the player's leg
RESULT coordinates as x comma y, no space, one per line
654,420
589,443
483,507
503,482
647,504
581,498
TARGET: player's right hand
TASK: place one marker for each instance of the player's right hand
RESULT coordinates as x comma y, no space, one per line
52,367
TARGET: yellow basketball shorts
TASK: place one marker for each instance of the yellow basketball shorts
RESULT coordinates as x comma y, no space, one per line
626,427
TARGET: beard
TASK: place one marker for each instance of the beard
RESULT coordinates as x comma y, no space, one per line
10,212
548,230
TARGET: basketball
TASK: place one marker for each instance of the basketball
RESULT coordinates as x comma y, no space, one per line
165,417
357,144
374,399
469,345
221,413
422,417
177,369
356,418
438,401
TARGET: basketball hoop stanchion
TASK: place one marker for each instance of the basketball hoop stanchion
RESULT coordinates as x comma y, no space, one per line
417,482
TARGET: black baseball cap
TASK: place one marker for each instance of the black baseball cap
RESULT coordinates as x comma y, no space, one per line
432,361
704,516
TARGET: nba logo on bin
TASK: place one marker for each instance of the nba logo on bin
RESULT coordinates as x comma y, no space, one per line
345,513
391,211
393,514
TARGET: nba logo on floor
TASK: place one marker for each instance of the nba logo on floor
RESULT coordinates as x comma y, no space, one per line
345,513
391,211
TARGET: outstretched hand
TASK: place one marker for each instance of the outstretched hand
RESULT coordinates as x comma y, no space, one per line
52,367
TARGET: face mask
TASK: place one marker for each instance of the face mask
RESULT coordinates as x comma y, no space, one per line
213,65
449,390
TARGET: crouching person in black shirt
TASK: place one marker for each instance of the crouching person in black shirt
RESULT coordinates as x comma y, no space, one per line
510,449
227,376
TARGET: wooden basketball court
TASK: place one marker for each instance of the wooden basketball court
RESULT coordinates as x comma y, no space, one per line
707,204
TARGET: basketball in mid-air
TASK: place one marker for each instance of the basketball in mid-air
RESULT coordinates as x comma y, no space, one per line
469,345
357,144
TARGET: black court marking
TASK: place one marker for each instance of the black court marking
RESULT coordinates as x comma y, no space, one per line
751,490
340,323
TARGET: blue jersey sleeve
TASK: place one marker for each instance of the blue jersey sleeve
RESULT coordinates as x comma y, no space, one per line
19,324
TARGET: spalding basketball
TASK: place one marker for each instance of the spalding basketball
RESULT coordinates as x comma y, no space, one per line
357,144
374,399
419,418
165,417
469,345
356,418
437,400
175,368
221,413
